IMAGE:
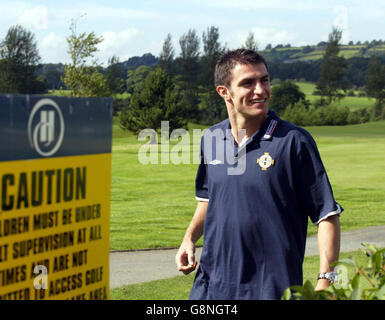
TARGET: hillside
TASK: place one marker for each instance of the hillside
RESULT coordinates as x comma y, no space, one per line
279,54
311,53
285,62
352,102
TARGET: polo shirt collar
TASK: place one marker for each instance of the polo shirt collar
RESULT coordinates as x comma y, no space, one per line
265,132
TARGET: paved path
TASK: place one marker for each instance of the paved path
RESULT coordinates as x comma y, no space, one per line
142,266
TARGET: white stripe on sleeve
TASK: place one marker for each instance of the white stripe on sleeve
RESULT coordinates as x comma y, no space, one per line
338,211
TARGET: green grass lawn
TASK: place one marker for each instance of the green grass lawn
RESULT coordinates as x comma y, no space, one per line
354,159
306,87
59,93
152,205
178,288
353,103
124,95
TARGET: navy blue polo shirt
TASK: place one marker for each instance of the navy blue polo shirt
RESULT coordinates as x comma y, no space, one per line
260,197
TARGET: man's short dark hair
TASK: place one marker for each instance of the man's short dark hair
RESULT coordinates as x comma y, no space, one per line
227,62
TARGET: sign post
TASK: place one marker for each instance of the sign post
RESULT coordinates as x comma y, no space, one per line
55,175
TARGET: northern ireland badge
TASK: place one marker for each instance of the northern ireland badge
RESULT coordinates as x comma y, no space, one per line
266,161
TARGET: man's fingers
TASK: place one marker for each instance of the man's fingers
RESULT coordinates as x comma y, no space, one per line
191,257
188,269
181,259
186,261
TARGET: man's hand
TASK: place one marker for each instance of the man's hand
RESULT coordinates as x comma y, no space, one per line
185,257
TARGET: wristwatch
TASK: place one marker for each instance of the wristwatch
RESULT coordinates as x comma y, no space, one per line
331,276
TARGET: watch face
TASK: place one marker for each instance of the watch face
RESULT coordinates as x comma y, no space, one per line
333,276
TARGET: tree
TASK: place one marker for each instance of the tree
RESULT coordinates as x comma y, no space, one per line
375,86
158,100
322,44
53,79
211,105
19,62
80,78
189,99
307,49
114,77
136,78
212,108
166,56
285,94
333,68
251,43
212,50
189,45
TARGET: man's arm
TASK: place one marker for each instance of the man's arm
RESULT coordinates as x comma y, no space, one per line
328,246
185,258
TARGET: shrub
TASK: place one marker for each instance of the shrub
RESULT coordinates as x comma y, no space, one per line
319,102
302,115
353,118
358,116
351,93
285,94
378,111
120,104
296,114
373,273
275,81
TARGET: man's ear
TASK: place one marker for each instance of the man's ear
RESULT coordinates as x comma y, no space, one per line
223,92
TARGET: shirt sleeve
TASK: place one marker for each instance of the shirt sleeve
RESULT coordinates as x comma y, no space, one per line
201,181
313,188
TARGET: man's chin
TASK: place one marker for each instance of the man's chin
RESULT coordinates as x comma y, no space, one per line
256,112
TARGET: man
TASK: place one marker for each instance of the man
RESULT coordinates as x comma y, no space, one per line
254,220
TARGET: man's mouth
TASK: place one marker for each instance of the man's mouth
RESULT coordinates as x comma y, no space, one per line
252,101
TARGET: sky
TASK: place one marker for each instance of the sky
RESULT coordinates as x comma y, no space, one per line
132,28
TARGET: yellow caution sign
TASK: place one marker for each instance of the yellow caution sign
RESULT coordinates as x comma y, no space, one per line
55,176
54,228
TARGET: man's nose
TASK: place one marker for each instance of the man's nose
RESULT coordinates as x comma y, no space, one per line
259,89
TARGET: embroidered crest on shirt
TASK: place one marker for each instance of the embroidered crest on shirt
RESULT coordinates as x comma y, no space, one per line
266,161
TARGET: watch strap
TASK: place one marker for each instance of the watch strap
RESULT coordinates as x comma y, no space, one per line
331,276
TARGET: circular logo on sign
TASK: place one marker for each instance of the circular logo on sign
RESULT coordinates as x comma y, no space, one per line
265,161
46,127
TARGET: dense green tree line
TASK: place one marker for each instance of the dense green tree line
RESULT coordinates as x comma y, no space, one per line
194,73
186,81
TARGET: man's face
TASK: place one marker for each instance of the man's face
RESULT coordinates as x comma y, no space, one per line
249,90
